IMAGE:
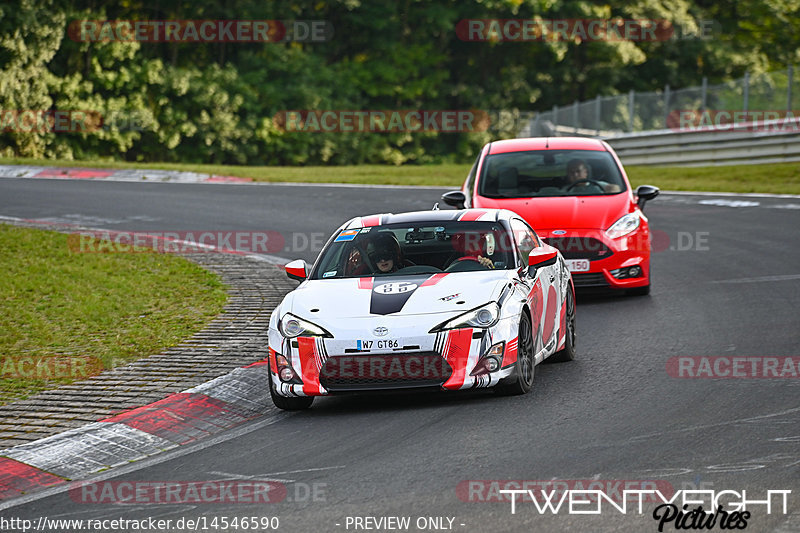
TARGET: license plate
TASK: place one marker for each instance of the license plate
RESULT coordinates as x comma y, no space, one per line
383,344
578,265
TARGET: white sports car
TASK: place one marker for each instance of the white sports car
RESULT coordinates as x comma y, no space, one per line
425,300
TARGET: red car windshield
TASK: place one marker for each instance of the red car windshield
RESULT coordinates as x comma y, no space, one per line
538,173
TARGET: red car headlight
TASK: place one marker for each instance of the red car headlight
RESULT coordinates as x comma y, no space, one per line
625,225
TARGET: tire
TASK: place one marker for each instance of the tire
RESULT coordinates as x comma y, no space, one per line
639,291
522,381
568,352
289,404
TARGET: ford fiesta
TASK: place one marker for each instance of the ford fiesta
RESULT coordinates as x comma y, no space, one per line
576,194
441,300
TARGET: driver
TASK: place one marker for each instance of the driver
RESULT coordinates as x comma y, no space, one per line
384,252
578,177
475,247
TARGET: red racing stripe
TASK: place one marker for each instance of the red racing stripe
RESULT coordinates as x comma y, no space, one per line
365,283
17,478
549,315
471,216
536,303
368,222
309,365
456,354
510,357
433,280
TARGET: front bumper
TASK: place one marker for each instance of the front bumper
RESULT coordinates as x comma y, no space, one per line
439,361
605,256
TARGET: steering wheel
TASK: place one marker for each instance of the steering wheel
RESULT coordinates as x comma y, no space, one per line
589,181
468,258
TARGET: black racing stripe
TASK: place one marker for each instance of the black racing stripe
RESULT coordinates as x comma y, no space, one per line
389,295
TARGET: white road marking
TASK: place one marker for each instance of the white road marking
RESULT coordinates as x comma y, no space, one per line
174,453
729,203
267,258
783,277
717,424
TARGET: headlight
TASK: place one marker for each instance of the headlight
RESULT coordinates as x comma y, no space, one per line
291,326
484,316
624,225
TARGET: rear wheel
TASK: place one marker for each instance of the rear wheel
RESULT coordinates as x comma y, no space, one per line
568,352
297,403
523,380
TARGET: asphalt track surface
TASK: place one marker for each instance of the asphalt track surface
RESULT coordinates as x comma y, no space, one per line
612,414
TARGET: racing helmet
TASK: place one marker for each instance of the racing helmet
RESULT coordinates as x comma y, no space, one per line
384,244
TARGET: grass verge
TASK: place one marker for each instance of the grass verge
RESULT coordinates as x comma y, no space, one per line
67,315
780,178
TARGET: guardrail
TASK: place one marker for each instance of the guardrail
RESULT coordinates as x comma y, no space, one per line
772,141
744,143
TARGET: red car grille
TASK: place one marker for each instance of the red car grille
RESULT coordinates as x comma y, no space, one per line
592,279
580,247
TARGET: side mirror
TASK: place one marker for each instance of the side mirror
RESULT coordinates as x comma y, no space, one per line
455,198
645,193
542,256
297,270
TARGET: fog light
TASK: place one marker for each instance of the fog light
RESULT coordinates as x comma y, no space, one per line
491,361
286,374
635,271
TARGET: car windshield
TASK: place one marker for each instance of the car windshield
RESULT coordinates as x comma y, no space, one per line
537,173
425,248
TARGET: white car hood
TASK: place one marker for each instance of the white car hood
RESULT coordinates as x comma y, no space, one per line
407,296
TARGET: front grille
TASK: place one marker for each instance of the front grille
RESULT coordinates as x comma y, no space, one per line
580,247
365,371
592,279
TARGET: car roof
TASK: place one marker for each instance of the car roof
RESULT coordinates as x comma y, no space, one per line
433,216
546,143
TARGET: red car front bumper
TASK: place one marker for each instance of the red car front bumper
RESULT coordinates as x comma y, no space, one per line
609,260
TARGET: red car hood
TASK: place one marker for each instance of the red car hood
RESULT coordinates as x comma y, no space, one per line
565,212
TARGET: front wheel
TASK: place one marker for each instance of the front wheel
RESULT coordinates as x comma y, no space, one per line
297,403
568,352
523,380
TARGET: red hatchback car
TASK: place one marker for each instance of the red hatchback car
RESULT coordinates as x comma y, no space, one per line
574,192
